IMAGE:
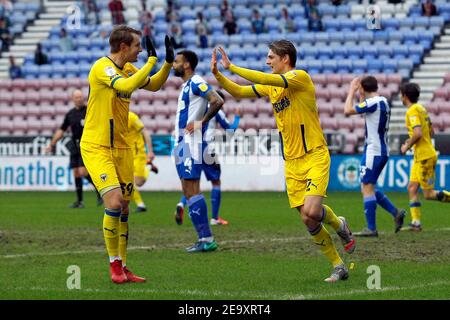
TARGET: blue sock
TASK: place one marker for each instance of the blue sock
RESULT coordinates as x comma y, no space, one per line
183,201
215,201
198,212
385,203
370,207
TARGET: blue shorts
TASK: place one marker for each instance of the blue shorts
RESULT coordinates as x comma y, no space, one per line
212,171
188,166
371,167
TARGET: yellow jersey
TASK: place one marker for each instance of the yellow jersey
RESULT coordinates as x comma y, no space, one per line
106,120
296,113
417,116
135,137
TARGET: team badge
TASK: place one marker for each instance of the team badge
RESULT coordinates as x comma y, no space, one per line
103,176
290,75
110,71
203,87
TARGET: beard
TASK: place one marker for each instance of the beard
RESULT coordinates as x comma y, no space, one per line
179,73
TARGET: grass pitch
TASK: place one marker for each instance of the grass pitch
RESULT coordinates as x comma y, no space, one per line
265,253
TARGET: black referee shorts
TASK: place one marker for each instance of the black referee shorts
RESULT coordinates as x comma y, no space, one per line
76,160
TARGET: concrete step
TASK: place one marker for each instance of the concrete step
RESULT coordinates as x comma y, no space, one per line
47,22
4,67
55,15
35,35
429,82
440,53
16,48
26,41
445,38
4,75
436,60
442,45
5,61
58,4
57,10
46,28
17,53
435,67
430,74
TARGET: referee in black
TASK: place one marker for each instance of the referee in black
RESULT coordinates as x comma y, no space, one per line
74,120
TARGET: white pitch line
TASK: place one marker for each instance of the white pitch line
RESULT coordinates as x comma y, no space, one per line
170,246
244,294
131,248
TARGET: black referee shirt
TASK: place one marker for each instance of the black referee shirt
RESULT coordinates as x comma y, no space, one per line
75,120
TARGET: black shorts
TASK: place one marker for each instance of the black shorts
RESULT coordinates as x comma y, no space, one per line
76,160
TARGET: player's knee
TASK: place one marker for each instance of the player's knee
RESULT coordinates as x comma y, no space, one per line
139,181
412,189
429,194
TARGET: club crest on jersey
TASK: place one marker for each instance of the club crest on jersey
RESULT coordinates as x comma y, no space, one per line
110,71
103,177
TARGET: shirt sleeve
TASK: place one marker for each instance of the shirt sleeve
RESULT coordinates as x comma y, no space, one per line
413,119
200,88
364,107
260,90
65,123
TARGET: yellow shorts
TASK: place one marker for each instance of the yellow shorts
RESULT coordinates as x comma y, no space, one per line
307,176
109,168
140,167
423,172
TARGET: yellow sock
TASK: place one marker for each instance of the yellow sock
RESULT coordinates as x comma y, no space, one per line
414,207
123,238
330,218
322,238
111,231
137,197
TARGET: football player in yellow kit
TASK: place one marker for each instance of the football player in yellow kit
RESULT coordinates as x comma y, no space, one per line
307,159
105,148
139,138
420,131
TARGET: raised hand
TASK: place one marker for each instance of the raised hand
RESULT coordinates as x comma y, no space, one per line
170,54
214,69
225,60
150,47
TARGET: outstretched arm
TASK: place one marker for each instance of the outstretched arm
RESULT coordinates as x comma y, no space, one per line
277,80
132,83
233,88
155,82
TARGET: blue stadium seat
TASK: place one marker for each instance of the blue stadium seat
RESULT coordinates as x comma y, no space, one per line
221,39
236,39
380,35
307,37
30,71
244,26
72,70
84,57
354,52
45,71
326,10
405,64
310,52
407,22
242,12
301,25
385,52
390,24
347,25
211,13
400,52
314,66
359,66
374,66
264,38
331,24
360,25
322,37
344,66
437,21
343,10
58,70
340,52
82,43
329,66
390,66
351,36
336,37
56,57
294,37
370,52
325,52
421,22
